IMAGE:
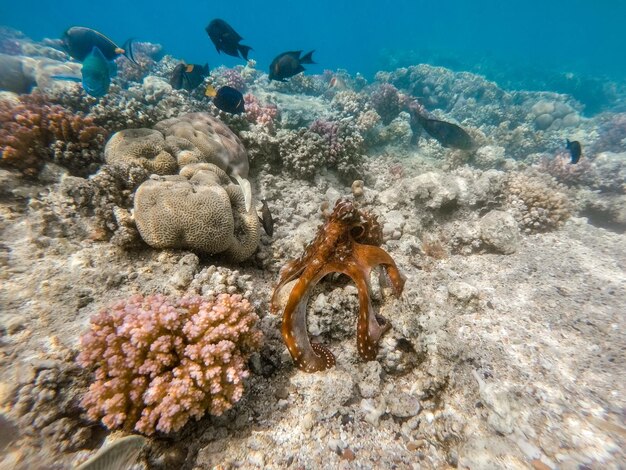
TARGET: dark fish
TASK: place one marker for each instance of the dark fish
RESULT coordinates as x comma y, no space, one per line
188,76
447,134
79,42
227,99
266,219
226,39
97,72
575,150
289,64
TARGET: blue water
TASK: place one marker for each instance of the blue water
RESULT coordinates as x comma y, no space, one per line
580,36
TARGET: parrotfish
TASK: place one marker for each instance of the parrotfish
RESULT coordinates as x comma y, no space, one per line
226,39
447,134
188,76
79,42
96,74
288,64
575,150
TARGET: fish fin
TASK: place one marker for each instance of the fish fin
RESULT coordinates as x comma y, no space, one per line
128,51
205,69
112,69
66,78
246,189
300,69
243,50
307,58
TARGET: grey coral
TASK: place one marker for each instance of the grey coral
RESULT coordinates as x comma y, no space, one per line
146,147
200,209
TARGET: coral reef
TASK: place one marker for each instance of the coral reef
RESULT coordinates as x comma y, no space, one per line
386,101
35,131
348,243
199,137
537,204
145,147
160,362
201,209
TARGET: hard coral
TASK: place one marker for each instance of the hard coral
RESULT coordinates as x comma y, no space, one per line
35,131
159,362
386,102
348,243
201,210
538,205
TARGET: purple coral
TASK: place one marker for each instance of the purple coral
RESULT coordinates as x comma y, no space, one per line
159,362
387,102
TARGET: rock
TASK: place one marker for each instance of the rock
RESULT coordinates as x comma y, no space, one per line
499,231
462,291
403,405
543,121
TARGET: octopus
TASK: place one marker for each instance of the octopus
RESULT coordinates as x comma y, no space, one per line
348,243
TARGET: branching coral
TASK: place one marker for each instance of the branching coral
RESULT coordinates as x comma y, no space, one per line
348,243
386,102
263,115
159,362
537,205
344,145
36,131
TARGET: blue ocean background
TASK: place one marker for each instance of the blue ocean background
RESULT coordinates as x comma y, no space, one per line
520,44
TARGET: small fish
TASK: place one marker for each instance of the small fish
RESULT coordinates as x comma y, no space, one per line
266,219
120,455
79,41
447,134
188,76
288,64
96,73
337,84
227,99
575,150
226,39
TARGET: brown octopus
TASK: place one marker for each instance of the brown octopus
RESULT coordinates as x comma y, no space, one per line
348,243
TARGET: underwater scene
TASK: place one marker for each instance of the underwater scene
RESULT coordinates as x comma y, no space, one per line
323,235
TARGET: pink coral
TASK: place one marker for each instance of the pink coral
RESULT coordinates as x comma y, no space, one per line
160,362
262,114
584,173
387,102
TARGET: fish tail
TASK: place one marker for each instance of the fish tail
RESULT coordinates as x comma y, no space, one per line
243,50
307,58
128,51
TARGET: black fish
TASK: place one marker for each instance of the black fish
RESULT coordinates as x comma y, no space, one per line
188,76
447,134
226,39
575,150
266,219
289,64
79,42
227,99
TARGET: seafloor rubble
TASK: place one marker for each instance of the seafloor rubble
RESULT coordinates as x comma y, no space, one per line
506,347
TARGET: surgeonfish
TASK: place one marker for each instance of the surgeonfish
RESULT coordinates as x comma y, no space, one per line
79,42
288,64
266,219
188,76
227,99
226,39
575,150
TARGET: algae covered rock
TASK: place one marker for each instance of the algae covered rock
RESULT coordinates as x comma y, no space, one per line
200,209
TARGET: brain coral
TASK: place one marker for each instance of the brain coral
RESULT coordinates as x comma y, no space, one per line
159,362
145,147
201,209
214,141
